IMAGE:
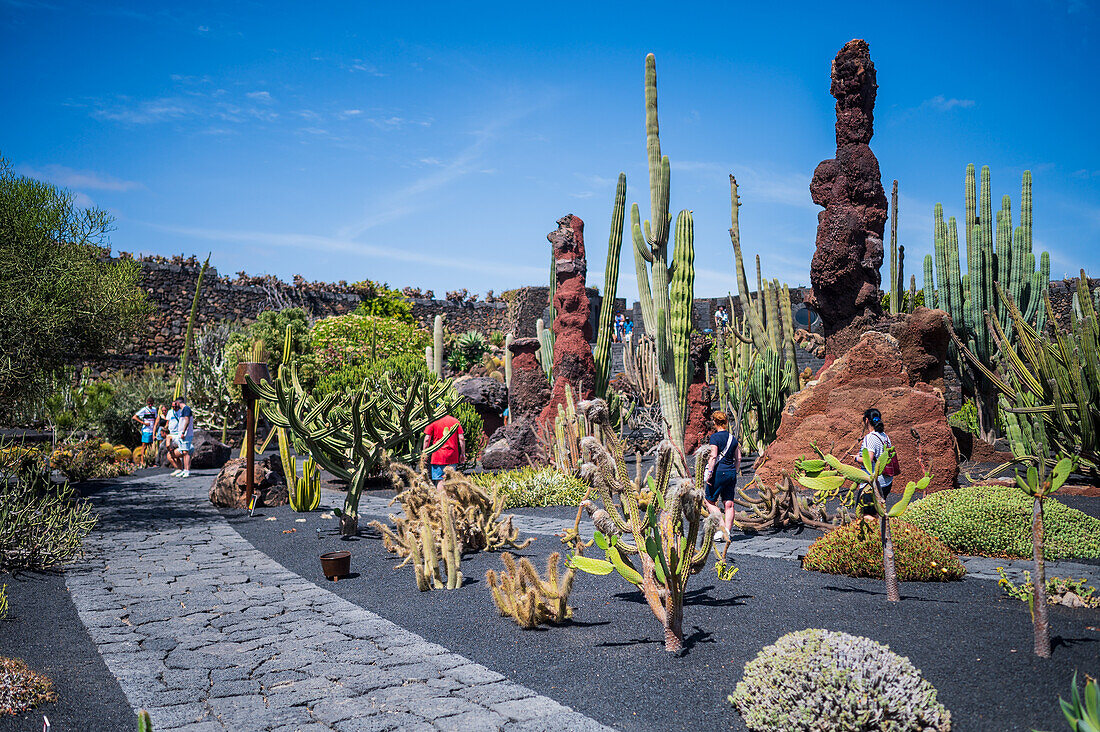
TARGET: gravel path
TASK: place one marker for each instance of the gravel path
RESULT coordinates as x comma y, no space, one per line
208,633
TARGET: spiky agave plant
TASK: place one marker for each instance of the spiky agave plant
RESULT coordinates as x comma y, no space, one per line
659,538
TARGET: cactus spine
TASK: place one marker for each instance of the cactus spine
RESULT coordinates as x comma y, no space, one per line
996,254
521,594
667,299
602,354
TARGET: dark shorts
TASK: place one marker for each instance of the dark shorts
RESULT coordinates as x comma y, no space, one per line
724,486
867,499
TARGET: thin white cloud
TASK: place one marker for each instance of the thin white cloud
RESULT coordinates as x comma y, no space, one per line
79,179
945,104
263,97
203,29
83,200
351,113
359,65
299,242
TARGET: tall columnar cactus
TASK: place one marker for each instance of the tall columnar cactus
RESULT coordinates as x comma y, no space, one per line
995,254
351,434
546,348
660,537
181,381
437,346
508,359
1050,384
897,255
666,290
602,354
930,300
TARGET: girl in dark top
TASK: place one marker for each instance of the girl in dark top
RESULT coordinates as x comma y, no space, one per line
721,474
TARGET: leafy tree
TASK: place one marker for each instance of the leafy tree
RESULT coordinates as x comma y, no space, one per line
61,301
380,301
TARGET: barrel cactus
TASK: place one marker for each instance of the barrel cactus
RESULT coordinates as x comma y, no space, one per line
819,679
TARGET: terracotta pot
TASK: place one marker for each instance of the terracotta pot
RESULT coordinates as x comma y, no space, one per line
336,565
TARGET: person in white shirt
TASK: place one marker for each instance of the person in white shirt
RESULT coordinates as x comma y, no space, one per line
875,441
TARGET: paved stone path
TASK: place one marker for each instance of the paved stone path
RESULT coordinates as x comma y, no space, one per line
208,633
778,546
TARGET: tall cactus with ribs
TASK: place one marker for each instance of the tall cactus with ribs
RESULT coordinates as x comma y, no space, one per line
996,254
351,434
602,354
667,300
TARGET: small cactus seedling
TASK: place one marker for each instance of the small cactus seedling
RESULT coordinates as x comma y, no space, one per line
145,722
519,592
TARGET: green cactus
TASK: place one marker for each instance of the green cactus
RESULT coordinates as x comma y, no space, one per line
602,354
546,348
929,284
661,536
667,299
181,380
826,476
351,434
145,722
897,256
995,255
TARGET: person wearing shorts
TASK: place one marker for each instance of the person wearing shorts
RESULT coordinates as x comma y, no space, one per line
720,479
146,418
451,454
181,441
875,441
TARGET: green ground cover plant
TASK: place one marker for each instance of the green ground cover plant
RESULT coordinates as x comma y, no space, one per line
20,688
817,679
855,550
995,521
349,338
534,487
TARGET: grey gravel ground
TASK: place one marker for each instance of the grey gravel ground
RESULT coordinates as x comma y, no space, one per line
208,633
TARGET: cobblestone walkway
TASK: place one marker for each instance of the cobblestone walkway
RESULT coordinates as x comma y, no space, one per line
778,546
208,633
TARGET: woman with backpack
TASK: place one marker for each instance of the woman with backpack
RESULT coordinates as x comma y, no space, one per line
721,473
876,441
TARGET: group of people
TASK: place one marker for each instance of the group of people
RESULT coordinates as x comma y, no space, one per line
623,327
174,426
724,465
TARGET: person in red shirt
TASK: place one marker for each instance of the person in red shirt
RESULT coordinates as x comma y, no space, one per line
452,453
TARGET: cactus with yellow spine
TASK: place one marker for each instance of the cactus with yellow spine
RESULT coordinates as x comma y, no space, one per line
519,592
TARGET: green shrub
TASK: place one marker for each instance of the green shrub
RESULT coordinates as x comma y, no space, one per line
855,550
822,680
347,339
534,487
996,521
381,301
44,523
966,418
87,459
20,688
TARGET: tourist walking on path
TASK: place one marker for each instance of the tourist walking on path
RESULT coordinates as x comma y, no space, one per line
170,419
721,320
181,441
628,328
452,453
875,441
146,419
720,478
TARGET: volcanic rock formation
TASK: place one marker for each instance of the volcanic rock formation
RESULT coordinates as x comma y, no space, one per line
844,272
829,412
269,484
697,426
573,363
510,445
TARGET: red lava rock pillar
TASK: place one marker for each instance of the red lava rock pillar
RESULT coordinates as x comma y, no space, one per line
573,362
845,268
697,428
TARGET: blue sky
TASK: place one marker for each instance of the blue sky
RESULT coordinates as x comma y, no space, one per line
435,144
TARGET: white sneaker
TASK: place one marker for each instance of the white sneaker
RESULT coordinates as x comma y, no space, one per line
720,536
176,473
185,474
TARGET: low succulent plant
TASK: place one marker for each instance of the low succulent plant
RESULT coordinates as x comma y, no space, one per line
855,550
819,679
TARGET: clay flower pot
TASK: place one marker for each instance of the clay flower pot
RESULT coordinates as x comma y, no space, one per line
336,564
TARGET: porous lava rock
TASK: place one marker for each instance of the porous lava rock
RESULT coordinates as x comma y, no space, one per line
844,272
510,446
574,366
922,336
697,426
208,451
488,396
829,412
269,485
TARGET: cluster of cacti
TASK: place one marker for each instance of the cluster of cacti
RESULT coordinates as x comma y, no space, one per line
562,439
1049,384
660,537
780,506
425,543
996,256
666,300
304,492
350,434
519,592
640,367
473,513
826,475
897,258
602,353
